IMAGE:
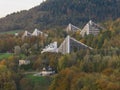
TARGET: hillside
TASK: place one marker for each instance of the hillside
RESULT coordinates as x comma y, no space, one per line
96,69
53,13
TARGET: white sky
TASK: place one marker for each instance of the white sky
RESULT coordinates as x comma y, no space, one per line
10,6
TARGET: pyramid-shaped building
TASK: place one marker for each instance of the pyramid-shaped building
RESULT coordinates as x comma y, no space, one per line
36,32
72,28
26,34
91,28
71,45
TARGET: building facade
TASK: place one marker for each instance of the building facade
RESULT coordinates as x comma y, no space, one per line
91,28
71,45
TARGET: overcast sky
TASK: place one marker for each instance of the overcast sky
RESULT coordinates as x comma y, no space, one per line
10,6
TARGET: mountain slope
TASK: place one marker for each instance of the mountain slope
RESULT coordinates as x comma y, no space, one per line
53,13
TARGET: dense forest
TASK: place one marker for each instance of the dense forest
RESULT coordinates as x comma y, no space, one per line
58,13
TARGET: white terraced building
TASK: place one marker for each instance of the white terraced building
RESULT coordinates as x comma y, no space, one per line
68,45
71,45
91,28
52,47
26,34
37,32
72,28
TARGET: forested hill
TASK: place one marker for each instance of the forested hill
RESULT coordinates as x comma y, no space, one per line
53,13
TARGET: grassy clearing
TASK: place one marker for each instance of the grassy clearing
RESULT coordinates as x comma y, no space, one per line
11,32
5,55
41,81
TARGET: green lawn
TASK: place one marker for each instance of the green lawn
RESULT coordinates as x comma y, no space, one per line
11,32
5,55
41,81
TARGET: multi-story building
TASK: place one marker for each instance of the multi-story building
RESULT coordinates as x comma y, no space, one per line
71,45
72,28
91,28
